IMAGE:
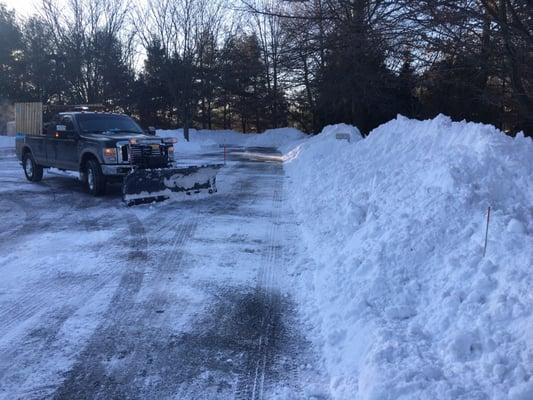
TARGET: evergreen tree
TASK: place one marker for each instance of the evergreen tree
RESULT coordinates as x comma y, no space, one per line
153,99
43,71
11,56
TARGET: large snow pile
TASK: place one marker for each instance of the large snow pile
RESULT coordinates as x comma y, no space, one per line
396,281
7,141
197,141
275,137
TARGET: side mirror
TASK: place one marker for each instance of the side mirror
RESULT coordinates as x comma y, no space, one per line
151,130
61,128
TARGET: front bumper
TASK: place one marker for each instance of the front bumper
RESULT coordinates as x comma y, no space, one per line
123,169
116,169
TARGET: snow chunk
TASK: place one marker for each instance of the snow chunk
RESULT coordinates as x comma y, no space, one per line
523,391
516,226
465,346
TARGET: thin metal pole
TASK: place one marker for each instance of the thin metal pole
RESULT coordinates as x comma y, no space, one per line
486,232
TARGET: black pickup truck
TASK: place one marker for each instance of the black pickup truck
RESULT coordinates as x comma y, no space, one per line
102,146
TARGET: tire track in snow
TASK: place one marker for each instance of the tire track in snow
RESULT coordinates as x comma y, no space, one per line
251,384
32,301
39,216
275,365
116,356
10,234
41,336
34,210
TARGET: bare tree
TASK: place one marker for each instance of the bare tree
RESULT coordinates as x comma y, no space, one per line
267,25
262,63
92,41
514,19
489,40
183,28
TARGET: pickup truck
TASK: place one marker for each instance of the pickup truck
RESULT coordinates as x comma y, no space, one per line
103,147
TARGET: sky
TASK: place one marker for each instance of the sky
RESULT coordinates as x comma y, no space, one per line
23,7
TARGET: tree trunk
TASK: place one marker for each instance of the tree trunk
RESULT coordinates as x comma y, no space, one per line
525,103
309,94
275,97
186,123
209,115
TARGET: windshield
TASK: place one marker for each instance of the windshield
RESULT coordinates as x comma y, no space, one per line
107,123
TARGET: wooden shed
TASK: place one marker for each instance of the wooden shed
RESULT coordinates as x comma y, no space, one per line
29,118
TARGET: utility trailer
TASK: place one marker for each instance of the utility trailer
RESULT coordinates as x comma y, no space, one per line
105,147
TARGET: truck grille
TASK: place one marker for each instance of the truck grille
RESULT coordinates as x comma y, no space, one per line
124,153
146,155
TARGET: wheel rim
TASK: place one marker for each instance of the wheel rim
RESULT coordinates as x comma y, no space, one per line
28,167
90,179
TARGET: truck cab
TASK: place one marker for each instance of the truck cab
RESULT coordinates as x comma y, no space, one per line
63,136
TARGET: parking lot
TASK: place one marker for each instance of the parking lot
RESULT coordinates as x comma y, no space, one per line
185,299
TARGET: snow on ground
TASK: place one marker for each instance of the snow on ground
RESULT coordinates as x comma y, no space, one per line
394,277
179,299
389,271
7,141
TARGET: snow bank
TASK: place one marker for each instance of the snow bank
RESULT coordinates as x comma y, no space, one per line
275,138
196,144
406,305
204,138
7,141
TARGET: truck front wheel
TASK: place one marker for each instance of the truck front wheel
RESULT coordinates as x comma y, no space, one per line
95,179
32,170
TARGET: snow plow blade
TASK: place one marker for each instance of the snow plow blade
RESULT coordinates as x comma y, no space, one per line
147,185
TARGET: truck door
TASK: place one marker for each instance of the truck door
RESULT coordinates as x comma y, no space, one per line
51,142
67,144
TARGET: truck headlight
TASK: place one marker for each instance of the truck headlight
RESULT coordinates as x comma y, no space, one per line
110,155
170,150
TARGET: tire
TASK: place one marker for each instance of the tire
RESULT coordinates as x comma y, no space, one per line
95,181
32,170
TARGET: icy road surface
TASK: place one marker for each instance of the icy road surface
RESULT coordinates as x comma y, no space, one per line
178,300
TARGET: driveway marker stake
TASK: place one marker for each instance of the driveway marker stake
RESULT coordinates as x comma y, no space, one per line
486,232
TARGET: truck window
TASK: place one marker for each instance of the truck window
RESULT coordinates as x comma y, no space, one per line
109,123
67,121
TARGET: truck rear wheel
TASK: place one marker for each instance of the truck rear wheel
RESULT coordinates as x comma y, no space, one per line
95,179
32,170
